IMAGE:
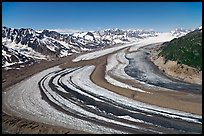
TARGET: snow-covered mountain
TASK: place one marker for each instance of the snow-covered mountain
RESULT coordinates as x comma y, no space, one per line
200,28
180,32
11,57
28,44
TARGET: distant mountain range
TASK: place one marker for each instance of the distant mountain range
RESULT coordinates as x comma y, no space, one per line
185,50
25,45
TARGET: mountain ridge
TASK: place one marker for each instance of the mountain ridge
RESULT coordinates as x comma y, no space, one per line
47,44
185,50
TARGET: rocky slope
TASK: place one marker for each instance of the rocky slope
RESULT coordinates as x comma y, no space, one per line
182,58
185,50
21,45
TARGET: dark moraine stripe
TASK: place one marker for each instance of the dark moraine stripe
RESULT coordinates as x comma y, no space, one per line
79,115
164,123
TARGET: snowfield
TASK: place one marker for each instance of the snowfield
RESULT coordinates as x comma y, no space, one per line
162,37
96,54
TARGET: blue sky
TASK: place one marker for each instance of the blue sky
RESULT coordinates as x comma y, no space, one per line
160,16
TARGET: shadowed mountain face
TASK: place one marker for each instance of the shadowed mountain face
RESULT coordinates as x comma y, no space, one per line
185,50
28,43
10,56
